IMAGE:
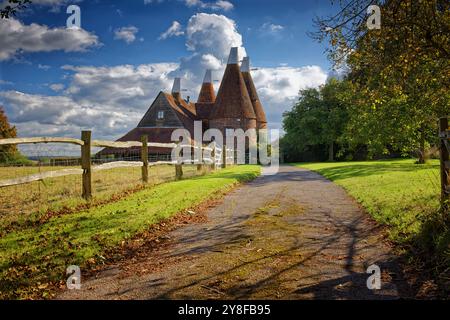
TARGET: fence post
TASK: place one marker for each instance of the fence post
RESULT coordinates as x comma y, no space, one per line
86,165
445,162
213,156
178,172
178,165
224,156
200,163
144,158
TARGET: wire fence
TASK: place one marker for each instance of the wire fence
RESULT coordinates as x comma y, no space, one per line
44,193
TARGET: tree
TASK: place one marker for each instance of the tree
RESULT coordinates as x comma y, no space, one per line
317,120
400,73
12,8
7,152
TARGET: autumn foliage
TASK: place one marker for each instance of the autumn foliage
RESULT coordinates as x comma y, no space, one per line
9,152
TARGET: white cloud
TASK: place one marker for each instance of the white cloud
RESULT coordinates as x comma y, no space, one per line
217,5
5,83
56,87
271,27
43,67
127,34
224,5
174,30
278,88
17,38
111,100
108,100
213,34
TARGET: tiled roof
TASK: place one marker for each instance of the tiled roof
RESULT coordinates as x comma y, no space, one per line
257,106
233,100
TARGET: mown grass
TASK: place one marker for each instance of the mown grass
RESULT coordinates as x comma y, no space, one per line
403,196
25,204
33,257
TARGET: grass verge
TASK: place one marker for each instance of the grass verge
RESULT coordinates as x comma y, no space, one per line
34,259
404,197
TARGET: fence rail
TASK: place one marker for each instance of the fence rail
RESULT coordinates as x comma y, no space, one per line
217,157
444,136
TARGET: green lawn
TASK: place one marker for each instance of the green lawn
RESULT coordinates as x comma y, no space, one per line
34,256
401,195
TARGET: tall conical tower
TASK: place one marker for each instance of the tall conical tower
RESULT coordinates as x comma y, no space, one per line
206,99
233,108
176,93
207,94
261,119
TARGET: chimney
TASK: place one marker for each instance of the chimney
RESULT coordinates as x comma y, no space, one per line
207,94
233,104
245,67
176,88
234,56
261,119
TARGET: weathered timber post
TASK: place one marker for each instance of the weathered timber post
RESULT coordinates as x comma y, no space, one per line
178,172
144,158
213,156
200,163
224,156
86,165
445,162
178,165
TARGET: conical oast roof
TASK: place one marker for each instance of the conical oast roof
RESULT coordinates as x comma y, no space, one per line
257,106
176,93
207,94
233,100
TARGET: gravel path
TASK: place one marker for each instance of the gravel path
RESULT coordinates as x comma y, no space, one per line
294,235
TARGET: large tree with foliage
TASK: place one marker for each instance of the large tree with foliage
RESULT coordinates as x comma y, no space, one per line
400,73
317,120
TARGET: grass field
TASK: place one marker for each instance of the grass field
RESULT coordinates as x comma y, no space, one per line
25,204
404,197
32,257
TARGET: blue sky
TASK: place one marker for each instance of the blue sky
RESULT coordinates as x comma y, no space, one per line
56,82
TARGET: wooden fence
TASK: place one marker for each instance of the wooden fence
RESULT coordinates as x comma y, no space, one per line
219,156
444,136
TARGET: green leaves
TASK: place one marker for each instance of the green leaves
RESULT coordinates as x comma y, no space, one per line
317,120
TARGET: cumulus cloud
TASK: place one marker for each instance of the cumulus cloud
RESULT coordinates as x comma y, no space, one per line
108,100
278,88
271,27
209,37
17,37
174,30
212,32
112,99
217,5
127,34
56,87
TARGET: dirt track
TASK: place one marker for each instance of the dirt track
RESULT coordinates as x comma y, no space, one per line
294,235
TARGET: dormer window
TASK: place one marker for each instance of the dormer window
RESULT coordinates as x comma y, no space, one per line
160,115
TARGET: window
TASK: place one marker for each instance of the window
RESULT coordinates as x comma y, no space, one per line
160,115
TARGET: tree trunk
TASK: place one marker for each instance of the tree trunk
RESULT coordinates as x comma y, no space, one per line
422,158
331,152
